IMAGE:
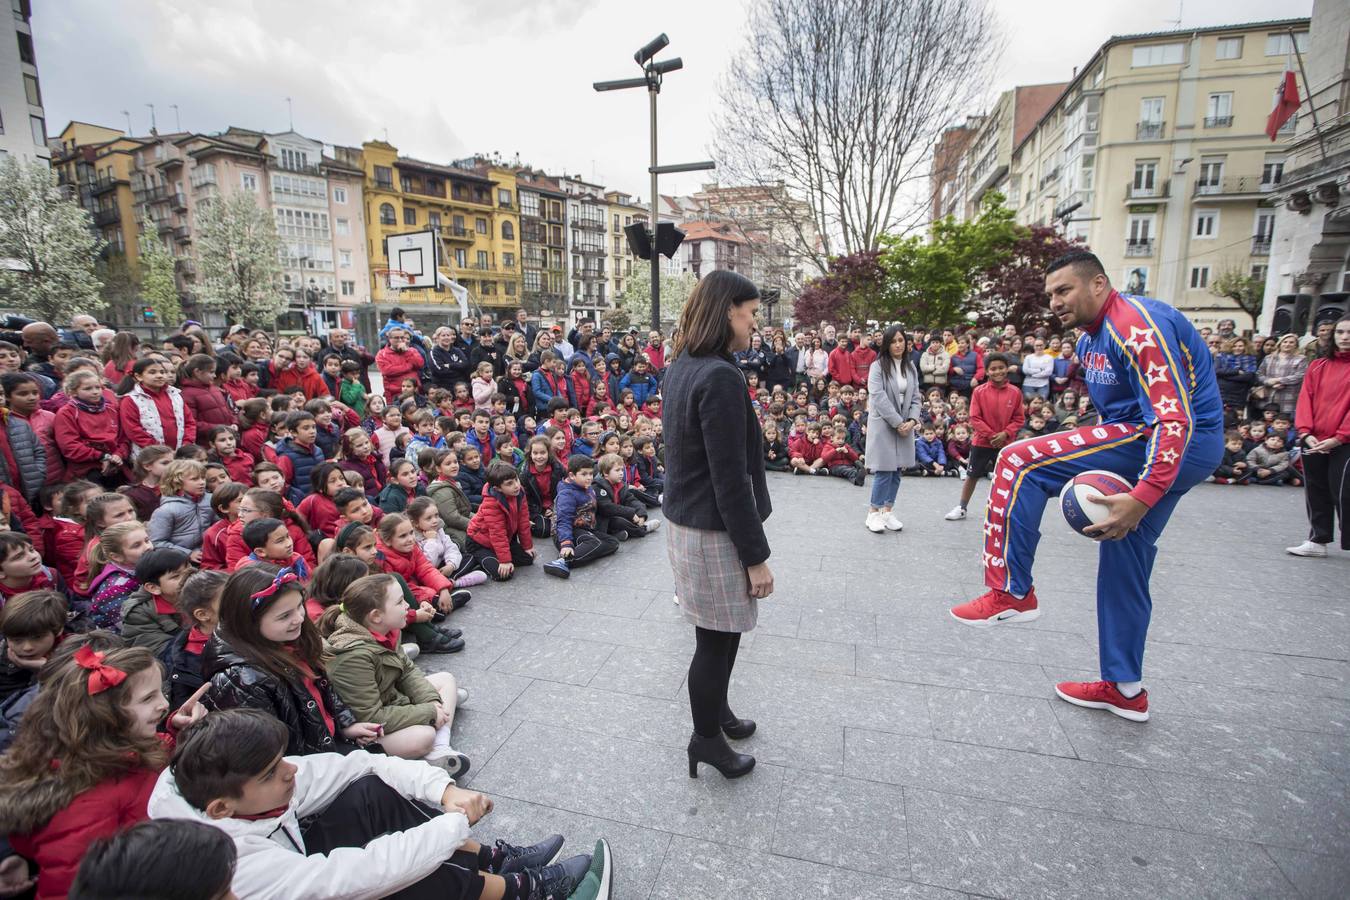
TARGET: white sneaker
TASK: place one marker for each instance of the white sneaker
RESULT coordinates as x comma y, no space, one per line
652,525
962,472
461,697
891,523
411,650
1308,548
957,514
875,522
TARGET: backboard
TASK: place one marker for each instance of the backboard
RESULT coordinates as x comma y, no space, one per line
414,254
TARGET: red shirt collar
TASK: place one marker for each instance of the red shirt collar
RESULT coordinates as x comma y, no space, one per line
270,814
164,607
388,640
1096,323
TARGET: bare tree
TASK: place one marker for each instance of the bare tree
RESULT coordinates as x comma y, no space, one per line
842,102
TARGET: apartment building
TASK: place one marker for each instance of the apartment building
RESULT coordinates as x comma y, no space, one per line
543,243
713,245
23,123
587,212
623,211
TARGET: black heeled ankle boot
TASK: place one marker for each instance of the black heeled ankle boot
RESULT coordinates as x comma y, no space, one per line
738,729
715,752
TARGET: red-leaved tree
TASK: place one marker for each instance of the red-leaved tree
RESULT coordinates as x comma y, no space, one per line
854,290
1014,290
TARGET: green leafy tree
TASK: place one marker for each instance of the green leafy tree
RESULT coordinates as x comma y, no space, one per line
47,247
158,289
1247,291
239,253
120,291
634,303
936,281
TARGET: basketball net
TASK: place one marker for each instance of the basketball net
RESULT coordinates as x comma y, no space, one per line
395,280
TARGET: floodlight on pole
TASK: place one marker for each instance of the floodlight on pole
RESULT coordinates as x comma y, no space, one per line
656,239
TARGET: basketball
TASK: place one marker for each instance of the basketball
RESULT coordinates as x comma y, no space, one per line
1080,512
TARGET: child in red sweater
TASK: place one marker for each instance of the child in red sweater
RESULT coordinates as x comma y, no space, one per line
64,542
99,513
804,452
841,460
225,502
223,448
88,432
400,555
143,492
996,414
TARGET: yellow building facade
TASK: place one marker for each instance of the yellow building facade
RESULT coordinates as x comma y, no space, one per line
623,211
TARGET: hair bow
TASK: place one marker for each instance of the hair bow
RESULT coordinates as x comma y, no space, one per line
101,675
283,578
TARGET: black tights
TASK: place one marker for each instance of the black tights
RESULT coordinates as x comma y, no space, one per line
709,675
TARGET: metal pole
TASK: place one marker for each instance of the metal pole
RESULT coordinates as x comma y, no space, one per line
1312,108
653,88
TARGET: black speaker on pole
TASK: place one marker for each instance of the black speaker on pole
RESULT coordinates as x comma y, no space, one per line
1330,307
1291,314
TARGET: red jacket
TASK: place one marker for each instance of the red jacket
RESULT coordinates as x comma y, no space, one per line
581,392
84,437
843,455
101,811
236,549
240,466
63,546
239,390
210,407
135,432
309,381
499,519
840,366
1324,404
424,580
862,359
807,450
394,367
251,440
81,583
322,514
213,545
994,409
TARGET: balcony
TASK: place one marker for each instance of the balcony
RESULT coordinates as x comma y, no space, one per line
1218,121
474,199
105,183
1156,192
163,226
590,272
182,234
104,217
1139,247
1149,131
1260,245
456,233
589,223
1231,187
158,193
186,265
203,177
178,201
286,165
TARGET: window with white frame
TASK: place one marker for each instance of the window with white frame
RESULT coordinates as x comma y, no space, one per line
1151,110
1272,170
1145,178
1158,55
1279,44
344,227
248,181
345,258
1228,48
1199,277
1206,224
1265,225
349,288
1210,179
339,195
1141,229
1219,109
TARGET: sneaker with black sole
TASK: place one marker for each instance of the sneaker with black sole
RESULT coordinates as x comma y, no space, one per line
556,882
536,856
455,764
621,536
459,599
451,632
559,568
599,881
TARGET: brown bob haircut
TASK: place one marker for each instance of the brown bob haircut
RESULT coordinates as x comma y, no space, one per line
704,327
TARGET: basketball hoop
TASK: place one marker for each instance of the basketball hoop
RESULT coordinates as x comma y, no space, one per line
395,280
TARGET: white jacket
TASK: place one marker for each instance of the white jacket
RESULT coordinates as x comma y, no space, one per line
272,861
1037,369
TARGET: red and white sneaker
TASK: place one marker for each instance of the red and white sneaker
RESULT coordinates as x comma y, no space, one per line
1105,695
995,606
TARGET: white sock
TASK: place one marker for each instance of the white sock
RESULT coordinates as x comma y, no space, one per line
442,739
1130,688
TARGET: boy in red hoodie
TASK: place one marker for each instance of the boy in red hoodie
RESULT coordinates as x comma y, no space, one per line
804,452
499,533
996,415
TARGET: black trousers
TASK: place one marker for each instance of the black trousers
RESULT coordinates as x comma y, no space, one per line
709,678
588,546
617,524
631,496
541,525
486,557
1327,491
369,808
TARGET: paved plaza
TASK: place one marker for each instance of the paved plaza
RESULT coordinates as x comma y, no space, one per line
903,754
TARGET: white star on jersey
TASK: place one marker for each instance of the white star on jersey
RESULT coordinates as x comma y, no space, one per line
1155,373
1173,429
1139,339
1167,405
1168,456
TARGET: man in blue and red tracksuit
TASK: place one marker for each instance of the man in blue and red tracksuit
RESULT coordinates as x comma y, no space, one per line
1150,377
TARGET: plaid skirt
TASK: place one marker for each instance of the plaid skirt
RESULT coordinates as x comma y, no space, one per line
710,580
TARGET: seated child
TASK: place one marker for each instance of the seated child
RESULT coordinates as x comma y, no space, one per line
360,457
440,549
184,511
372,824
958,450
380,683
650,470
146,860
150,616
326,481
402,488
775,448
298,454
22,569
216,475
930,457
119,550
804,452
65,540
1233,468
143,492
540,475
577,535
400,555
225,502
268,655
499,536
612,514
1270,463
99,513
262,503
224,450
841,460
472,476
633,484
199,610
31,625
269,542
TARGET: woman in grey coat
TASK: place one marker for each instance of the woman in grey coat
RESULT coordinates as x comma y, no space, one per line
892,416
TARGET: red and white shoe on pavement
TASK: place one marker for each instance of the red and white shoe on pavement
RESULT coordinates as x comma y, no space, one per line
1105,695
995,606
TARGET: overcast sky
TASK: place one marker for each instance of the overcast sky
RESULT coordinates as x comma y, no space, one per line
446,78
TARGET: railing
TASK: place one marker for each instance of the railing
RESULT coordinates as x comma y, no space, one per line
1160,189
1260,245
591,223
590,250
456,232
1149,131
186,265
104,217
304,169
1218,121
182,234
157,194
1139,247
1229,184
104,183
178,201
203,177
589,272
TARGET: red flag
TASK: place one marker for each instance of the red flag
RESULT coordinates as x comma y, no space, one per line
1286,104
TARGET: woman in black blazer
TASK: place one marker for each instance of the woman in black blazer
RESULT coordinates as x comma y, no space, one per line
715,503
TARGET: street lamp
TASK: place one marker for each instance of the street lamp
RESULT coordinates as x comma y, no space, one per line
657,240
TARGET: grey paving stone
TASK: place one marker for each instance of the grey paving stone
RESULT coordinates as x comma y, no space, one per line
554,658
818,656
843,822
1313,815
777,617
479,736
996,720
500,612
1316,877
1292,711
1013,851
627,632
1029,779
1033,643
652,673
585,709
699,868
489,692
758,690
951,670
641,784
637,852
803,744
584,594
483,645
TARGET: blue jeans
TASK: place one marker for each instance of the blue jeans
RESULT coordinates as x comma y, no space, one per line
1043,392
885,485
